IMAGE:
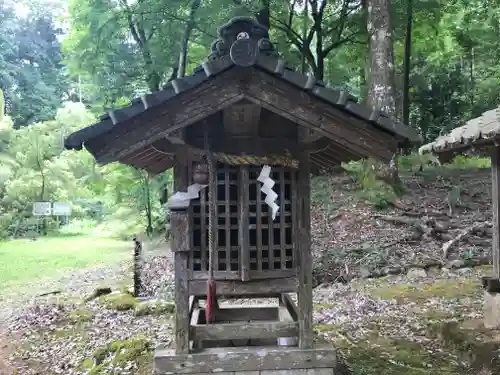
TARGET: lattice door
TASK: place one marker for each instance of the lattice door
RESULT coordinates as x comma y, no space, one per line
270,243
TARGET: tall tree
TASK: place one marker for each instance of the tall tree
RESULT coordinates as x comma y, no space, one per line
381,84
407,62
188,29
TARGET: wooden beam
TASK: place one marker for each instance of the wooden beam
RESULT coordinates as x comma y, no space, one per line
495,196
245,313
258,146
253,275
287,302
244,359
248,288
194,318
352,134
239,330
193,303
182,110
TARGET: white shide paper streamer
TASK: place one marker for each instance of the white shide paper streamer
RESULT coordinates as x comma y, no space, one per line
193,192
267,188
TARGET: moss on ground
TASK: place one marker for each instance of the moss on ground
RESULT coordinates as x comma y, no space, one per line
80,316
98,292
118,354
119,301
379,355
469,341
421,292
323,306
449,348
154,308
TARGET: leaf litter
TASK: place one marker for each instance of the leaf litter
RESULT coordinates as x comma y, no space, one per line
401,307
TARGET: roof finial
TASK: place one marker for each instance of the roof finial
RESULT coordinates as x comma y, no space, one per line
245,33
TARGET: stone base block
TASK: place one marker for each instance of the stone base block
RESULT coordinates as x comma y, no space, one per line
312,371
491,310
321,360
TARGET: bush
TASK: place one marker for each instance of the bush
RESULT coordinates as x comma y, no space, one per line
378,187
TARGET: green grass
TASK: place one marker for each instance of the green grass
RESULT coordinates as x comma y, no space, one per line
24,260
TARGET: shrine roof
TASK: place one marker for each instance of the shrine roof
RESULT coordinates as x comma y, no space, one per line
477,133
243,45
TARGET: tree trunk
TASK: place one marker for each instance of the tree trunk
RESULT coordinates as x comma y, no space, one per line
147,191
263,16
381,83
305,29
407,61
381,92
181,72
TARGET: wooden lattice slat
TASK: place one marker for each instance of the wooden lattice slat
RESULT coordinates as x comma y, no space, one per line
246,235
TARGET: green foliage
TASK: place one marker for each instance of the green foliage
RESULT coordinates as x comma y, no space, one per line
113,51
35,166
469,162
376,185
2,105
32,78
321,193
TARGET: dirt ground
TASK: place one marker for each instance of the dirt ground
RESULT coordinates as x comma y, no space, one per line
424,318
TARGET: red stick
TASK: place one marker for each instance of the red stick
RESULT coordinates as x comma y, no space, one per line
211,305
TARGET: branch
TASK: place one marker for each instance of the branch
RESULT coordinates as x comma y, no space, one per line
340,29
177,18
338,43
288,30
131,24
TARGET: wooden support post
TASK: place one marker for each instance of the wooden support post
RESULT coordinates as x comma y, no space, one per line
181,240
243,229
304,255
181,303
137,267
495,196
213,186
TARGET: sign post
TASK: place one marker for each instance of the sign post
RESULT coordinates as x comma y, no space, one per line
62,209
41,209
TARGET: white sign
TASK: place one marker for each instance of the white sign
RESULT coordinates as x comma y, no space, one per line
61,209
42,209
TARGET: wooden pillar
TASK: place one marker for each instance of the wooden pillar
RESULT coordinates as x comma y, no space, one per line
244,222
181,245
304,295
495,196
137,266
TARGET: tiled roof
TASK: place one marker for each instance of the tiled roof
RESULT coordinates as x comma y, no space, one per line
265,60
479,131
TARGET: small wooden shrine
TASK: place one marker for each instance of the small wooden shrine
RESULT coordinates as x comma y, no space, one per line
242,134
481,135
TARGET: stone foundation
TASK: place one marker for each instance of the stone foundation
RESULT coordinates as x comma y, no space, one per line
491,310
270,360
491,287
313,371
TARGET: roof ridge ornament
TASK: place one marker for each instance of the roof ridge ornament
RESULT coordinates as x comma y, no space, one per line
242,39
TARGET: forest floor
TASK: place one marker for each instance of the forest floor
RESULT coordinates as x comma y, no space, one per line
406,308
